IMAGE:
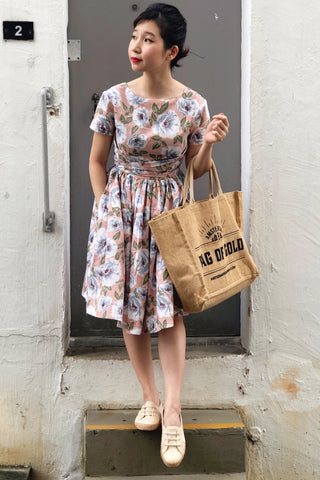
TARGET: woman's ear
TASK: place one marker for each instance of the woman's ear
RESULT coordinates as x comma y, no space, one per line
173,52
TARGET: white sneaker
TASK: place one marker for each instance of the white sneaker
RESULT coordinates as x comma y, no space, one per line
173,444
149,417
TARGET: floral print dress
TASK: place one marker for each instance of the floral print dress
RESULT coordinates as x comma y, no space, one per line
126,279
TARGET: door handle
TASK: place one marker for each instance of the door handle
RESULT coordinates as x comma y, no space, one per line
95,100
46,102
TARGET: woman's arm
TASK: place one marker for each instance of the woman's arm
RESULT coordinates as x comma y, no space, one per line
216,131
99,153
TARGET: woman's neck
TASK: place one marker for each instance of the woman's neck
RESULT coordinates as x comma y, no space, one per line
156,86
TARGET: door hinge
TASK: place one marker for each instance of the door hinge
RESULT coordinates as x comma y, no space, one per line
74,50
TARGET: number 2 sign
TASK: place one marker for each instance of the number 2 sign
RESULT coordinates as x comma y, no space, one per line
17,30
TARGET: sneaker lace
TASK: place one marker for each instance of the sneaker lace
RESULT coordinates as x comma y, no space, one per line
148,411
172,438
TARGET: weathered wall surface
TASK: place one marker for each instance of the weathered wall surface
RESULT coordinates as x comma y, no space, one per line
285,220
43,395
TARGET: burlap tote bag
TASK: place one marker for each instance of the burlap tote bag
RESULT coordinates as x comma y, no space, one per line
203,247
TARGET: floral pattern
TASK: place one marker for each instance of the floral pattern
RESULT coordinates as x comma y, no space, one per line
126,279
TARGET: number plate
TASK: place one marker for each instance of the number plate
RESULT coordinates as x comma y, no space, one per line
18,30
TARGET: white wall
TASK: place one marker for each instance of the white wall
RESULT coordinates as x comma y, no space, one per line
43,394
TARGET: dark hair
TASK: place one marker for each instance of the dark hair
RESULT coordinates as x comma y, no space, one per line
173,27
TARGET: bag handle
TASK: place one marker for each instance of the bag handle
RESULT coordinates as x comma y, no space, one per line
188,182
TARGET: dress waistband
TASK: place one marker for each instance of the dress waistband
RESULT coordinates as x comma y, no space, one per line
149,168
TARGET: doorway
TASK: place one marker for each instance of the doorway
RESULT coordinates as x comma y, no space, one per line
213,68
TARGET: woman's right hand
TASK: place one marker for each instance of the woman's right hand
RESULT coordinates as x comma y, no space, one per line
101,145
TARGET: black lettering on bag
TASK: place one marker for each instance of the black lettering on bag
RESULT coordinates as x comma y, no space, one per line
207,260
228,248
240,244
219,254
203,263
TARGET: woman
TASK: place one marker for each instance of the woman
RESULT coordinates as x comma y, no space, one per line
155,122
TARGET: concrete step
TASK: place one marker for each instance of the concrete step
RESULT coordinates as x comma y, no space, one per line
15,473
114,447
225,476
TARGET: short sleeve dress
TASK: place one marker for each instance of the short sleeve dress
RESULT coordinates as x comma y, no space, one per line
126,279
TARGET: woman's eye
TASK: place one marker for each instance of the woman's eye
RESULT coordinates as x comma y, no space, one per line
149,40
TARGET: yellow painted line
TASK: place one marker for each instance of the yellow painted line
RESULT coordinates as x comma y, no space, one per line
187,426
111,427
208,426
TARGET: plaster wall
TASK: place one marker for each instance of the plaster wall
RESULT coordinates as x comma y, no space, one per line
43,394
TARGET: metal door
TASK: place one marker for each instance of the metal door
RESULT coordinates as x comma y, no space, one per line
212,68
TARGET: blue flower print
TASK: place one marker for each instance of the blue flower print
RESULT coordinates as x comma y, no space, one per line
132,280
101,125
114,97
152,324
114,196
167,125
140,198
103,207
138,225
160,263
135,308
104,303
126,218
92,286
136,168
114,224
104,101
173,185
171,152
198,117
101,242
111,248
133,99
188,106
140,116
117,310
198,136
109,273
166,288
142,292
137,141
177,202
136,159
92,237
153,247
154,281
161,201
164,306
121,132
89,259
141,261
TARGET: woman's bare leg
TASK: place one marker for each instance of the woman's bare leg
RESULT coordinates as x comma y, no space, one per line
172,352
139,351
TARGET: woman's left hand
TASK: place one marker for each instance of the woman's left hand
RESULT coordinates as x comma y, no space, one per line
217,129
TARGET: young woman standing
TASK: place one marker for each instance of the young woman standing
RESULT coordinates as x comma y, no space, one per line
155,123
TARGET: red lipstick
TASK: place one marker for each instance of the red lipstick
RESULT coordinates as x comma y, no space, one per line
135,60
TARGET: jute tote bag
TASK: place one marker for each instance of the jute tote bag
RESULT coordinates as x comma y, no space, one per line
203,247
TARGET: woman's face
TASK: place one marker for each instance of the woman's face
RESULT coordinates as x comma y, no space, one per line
146,50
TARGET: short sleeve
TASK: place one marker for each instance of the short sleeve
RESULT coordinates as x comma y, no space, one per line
199,124
103,120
